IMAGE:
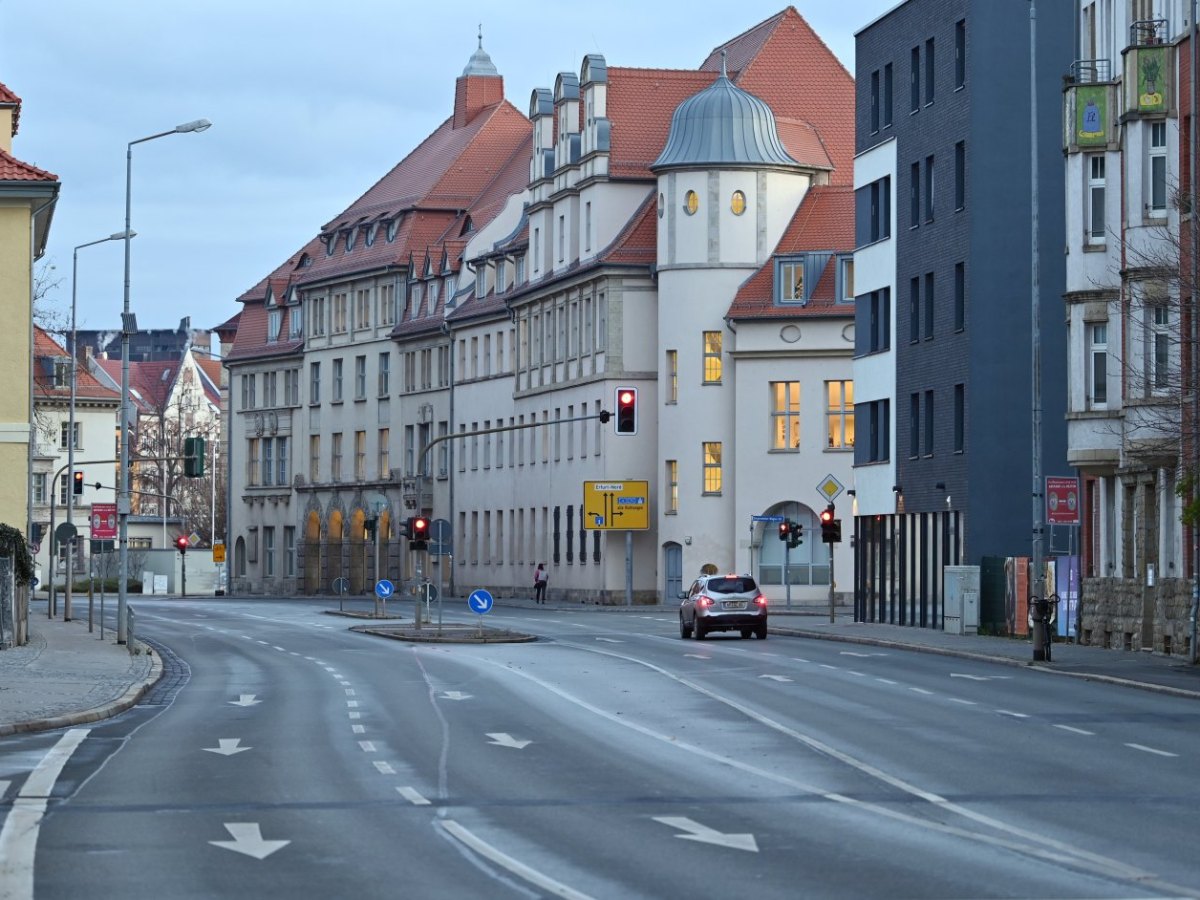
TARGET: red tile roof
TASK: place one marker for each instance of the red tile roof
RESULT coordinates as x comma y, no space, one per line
86,385
12,169
824,221
8,98
640,105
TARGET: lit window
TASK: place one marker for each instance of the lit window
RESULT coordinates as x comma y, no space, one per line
672,486
785,415
691,203
672,376
712,357
712,467
839,415
791,281
738,203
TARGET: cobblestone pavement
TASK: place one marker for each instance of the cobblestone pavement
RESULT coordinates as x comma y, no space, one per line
67,675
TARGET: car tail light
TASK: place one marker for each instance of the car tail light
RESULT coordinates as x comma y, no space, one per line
704,601
760,600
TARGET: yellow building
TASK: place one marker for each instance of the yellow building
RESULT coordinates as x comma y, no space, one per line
27,197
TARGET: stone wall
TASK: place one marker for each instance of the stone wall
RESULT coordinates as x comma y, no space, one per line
1125,614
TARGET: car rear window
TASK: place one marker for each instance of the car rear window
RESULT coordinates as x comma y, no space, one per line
731,585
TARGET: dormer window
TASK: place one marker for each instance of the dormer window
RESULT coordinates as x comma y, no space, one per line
296,318
480,281
392,226
433,295
791,281
520,276
330,240
796,277
350,239
501,274
274,324
372,230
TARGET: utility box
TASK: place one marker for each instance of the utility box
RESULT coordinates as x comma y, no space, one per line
960,590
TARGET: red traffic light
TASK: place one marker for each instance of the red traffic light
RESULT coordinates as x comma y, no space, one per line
420,531
78,486
181,543
827,514
785,530
627,416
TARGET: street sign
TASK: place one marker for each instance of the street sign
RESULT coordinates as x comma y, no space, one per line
384,589
64,532
341,585
767,518
194,539
218,551
441,538
104,521
830,488
102,546
1062,500
480,601
616,505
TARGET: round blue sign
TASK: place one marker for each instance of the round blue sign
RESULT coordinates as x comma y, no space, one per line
480,601
384,589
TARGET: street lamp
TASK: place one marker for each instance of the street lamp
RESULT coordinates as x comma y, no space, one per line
128,327
119,236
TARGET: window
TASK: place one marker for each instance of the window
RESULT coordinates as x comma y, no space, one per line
886,112
914,310
1095,199
67,434
291,387
252,472
385,374
691,203
362,308
960,175
337,381
314,382
268,550
929,423
914,79
928,306
873,322
387,304
1157,168
314,457
274,324
960,53
64,489
360,378
270,389
562,238
360,455
960,296
914,196
672,376
960,414
929,68
1160,320
281,461
845,274
296,322
929,189
672,485
875,98
712,357
335,461
873,212
875,419
289,550
839,415
587,226
712,467
339,313
785,415
39,489
248,399
318,316
268,462
385,452
914,425
791,281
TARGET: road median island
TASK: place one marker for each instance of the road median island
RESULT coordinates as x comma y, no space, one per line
446,634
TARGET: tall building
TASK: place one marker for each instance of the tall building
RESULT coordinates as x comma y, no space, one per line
684,233
945,284
28,197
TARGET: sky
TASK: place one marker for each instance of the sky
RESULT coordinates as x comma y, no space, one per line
310,103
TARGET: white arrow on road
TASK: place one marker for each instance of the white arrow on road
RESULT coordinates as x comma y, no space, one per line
977,677
706,835
455,695
246,700
248,839
502,739
776,677
228,747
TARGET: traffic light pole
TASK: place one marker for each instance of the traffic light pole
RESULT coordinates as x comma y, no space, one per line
831,585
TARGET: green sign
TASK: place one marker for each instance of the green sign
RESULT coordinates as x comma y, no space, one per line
1091,115
1151,79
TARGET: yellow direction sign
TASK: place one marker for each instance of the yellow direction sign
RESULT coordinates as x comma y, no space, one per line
616,505
218,552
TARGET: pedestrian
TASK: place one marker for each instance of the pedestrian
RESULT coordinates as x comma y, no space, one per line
539,583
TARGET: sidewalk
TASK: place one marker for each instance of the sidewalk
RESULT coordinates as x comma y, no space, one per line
68,676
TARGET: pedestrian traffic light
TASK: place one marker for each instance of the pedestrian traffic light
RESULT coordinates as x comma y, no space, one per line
193,457
419,533
181,543
78,486
627,417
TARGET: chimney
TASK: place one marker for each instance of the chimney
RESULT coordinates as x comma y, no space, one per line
478,87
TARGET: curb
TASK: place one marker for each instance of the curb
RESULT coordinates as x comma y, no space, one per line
105,711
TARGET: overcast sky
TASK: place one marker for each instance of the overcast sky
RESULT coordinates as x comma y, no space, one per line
311,103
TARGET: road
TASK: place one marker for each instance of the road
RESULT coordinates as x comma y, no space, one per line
285,756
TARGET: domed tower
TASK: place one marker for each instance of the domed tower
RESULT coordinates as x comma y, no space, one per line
727,189
478,87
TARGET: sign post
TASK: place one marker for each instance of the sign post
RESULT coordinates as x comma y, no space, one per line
480,602
618,506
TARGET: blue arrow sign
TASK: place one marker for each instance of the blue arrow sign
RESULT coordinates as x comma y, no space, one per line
384,589
480,601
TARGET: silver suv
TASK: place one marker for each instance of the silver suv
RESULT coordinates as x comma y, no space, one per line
723,603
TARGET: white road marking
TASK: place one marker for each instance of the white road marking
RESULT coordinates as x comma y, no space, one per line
412,796
979,677
697,656
367,746
800,659
355,715
227,747
828,666
609,640
384,767
264,643
245,700
1072,728
503,739
1146,749
358,729
962,701
248,839
706,835
917,690
18,837
534,877
886,681
859,674
455,695
350,692
776,677
1009,712
280,649
856,653
353,704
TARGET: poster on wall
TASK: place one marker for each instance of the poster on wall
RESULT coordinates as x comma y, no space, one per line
1151,75
1091,115
1066,585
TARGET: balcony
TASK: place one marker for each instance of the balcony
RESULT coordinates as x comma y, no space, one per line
1148,70
1090,107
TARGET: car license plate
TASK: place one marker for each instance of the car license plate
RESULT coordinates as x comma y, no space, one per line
733,604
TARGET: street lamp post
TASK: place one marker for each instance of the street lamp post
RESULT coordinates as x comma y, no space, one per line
119,236
128,327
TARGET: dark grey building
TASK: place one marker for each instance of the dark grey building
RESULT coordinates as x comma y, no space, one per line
150,344
944,87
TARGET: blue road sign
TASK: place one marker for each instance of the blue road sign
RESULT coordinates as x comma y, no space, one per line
766,518
480,601
384,589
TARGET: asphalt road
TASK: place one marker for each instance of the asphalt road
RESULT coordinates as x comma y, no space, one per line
284,756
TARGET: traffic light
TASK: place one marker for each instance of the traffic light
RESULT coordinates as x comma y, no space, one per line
181,543
795,534
785,530
420,533
831,528
627,416
78,479
193,457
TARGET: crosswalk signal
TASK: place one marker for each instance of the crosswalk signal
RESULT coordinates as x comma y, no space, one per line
77,477
627,417
419,533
